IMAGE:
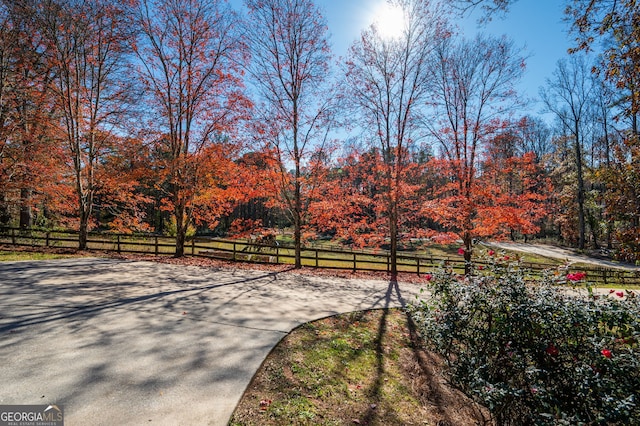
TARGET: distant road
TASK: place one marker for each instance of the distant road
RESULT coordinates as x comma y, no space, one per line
560,253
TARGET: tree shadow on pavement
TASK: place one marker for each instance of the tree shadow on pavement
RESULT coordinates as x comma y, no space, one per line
52,310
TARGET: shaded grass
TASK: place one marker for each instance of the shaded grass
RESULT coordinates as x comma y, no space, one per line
358,368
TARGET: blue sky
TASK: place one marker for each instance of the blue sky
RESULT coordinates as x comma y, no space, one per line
536,25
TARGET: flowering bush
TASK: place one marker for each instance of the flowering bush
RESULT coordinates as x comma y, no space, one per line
576,276
534,352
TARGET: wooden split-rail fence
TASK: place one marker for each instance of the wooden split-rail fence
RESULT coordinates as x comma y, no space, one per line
256,252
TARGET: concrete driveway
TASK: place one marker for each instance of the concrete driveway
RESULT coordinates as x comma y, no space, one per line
133,343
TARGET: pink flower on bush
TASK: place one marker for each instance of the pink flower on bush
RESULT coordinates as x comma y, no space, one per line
620,293
491,252
428,277
461,251
606,353
577,276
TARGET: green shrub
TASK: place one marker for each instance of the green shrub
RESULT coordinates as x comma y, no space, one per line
536,352
171,229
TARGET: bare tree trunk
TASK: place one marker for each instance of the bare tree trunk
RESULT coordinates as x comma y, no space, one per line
393,235
181,230
83,230
297,221
468,250
581,191
569,96
287,39
297,196
26,218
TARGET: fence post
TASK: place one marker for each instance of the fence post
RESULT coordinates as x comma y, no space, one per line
234,250
118,237
278,255
13,236
354,262
155,245
418,260
316,258
193,246
46,241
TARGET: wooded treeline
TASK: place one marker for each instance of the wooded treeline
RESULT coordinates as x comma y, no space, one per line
172,116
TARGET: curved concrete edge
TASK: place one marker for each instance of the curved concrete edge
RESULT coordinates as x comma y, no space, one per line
125,342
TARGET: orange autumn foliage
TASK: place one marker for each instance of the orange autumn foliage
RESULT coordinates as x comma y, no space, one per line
508,195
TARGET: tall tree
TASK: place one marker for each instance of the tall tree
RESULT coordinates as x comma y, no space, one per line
568,96
535,136
617,24
290,68
351,203
8,43
191,59
614,22
490,7
622,198
29,158
474,89
387,85
508,196
85,43
7,47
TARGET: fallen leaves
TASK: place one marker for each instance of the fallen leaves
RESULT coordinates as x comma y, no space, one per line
265,404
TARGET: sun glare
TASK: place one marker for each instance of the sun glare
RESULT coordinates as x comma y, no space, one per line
389,20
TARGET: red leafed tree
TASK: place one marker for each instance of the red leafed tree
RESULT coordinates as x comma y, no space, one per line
515,190
261,210
473,88
387,86
351,203
31,161
125,179
290,68
347,203
191,59
8,43
507,196
85,43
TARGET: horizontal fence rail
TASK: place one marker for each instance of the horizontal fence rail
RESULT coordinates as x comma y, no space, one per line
245,251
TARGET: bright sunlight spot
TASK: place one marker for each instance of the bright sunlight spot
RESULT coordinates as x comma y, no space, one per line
389,20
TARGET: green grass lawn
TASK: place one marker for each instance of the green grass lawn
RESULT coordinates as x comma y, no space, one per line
359,368
11,256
